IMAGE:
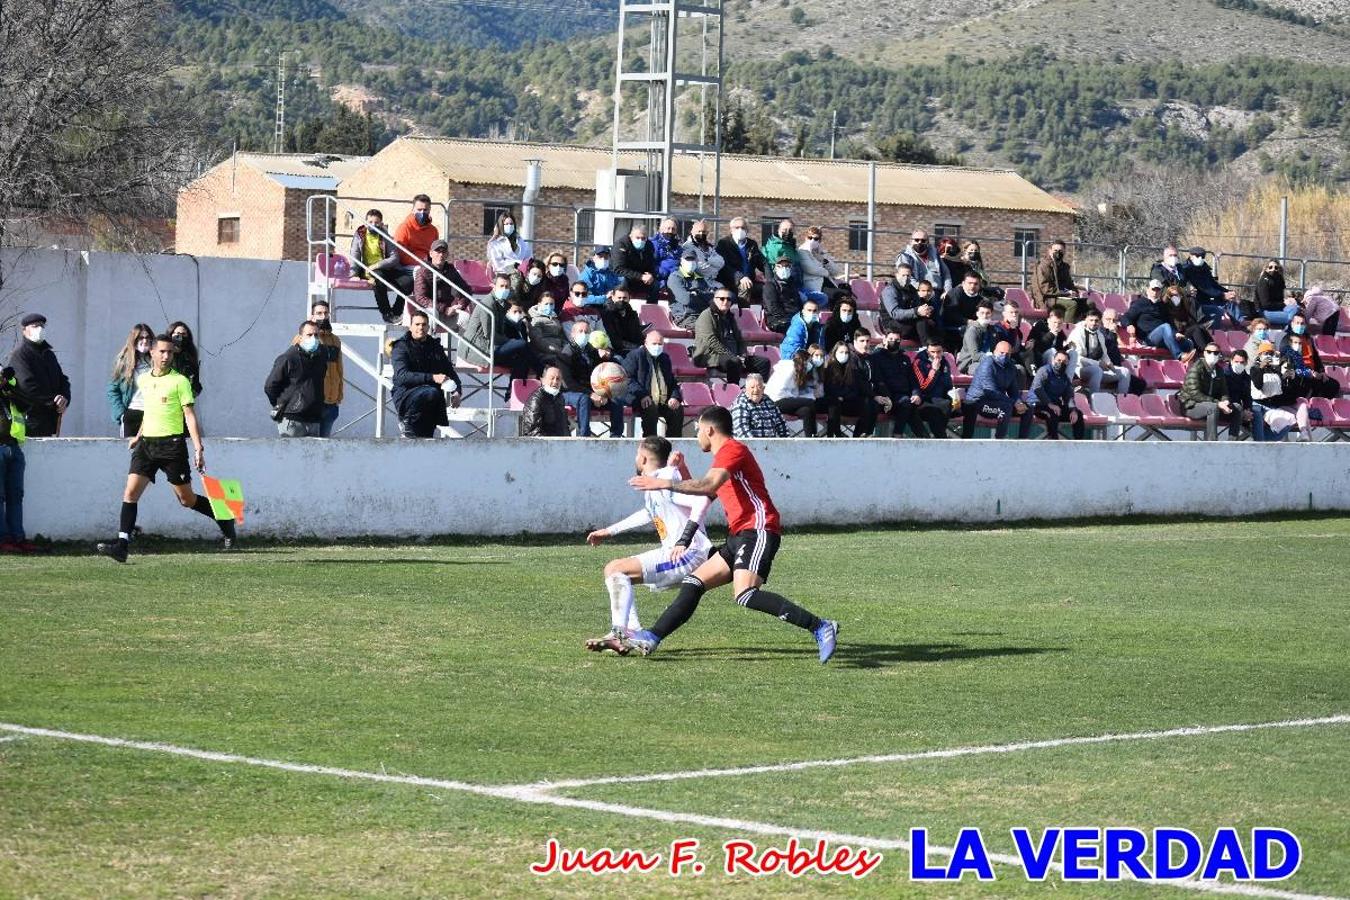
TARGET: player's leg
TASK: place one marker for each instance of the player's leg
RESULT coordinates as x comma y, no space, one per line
181,482
754,559
714,572
620,576
126,525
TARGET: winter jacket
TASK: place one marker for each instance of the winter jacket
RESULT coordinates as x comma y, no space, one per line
1078,341
689,296
756,420
1308,356
777,247
997,382
1053,277
1202,279
415,362
800,336
638,364
816,268
782,300
738,263
1038,341
1270,292
544,415
334,379
1145,316
931,269
667,252
482,327
633,263
296,383
504,259
709,263
851,381
958,307
1202,385
1318,306
624,327
898,304
424,283
717,338
892,373
782,383
39,381
939,386
577,363
1050,386
389,256
599,283
837,330
977,343
416,240
120,393
547,336
1167,276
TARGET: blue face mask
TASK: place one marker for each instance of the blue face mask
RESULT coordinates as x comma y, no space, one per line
501,293
1001,358
639,243
309,344
1298,329
1260,334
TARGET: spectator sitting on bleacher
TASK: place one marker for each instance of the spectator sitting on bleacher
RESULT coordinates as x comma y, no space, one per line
1310,378
960,303
1257,334
817,268
783,245
452,307
577,360
782,293
377,261
1149,322
844,323
1212,298
994,393
508,337
849,392
507,250
653,392
667,250
622,323
804,329
547,336
1205,395
690,295
1272,411
925,262
933,378
710,262
534,287
1009,328
718,344
1271,302
900,305
578,305
415,235
1046,337
1167,271
1186,317
422,368
599,277
1240,392
893,376
742,260
1053,283
556,282
545,412
635,261
979,339
1052,397
755,416
1321,310
1110,331
1095,368
795,386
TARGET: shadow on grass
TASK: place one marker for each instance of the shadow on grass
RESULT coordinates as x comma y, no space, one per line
322,561
859,656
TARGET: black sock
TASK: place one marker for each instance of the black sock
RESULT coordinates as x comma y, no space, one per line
127,524
774,605
680,609
203,506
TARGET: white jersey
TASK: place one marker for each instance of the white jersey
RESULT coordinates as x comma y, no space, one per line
669,513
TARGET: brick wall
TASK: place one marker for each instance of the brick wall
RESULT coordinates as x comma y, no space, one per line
230,190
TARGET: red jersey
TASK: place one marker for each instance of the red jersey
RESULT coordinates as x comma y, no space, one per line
744,496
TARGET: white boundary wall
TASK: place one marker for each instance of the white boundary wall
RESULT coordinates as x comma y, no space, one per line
394,488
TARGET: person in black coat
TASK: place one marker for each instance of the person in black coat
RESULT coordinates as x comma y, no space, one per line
186,360
295,385
545,413
622,323
421,367
844,324
741,261
577,360
849,391
893,377
635,260
933,380
782,299
41,383
653,392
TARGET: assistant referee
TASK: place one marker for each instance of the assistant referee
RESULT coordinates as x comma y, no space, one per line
161,446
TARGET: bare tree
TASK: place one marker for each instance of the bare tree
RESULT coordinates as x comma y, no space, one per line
89,128
1154,205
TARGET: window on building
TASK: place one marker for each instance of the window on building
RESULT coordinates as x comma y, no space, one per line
491,214
857,236
1026,240
767,229
585,225
227,230
946,230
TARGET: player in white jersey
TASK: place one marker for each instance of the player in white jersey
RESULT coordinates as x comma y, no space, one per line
678,520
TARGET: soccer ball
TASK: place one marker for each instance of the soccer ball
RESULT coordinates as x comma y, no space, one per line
609,378
599,340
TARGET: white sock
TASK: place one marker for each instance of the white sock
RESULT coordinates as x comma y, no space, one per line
622,612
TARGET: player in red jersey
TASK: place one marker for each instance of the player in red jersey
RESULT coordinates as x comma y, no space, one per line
753,536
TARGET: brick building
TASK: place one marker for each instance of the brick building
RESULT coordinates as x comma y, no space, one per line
252,205
476,179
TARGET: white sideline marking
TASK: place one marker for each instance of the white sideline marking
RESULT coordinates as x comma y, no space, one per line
17,737
542,796
937,754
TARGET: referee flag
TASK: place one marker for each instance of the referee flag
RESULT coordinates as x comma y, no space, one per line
226,496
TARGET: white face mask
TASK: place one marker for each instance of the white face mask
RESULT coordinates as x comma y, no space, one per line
513,317
1170,261
501,293
1239,368
841,356
34,333
508,229
1197,260
813,245
808,317
782,273
534,278
1176,299
655,350
600,263
738,234
582,339
142,346
556,271
687,267
1212,358
551,391
846,317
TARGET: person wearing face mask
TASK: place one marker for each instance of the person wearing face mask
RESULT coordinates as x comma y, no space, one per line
1089,344
548,336
294,388
1110,331
844,323
994,394
39,378
436,287
782,294
1053,283
925,262
666,248
507,250
186,362
804,329
1149,321
334,379
635,261
422,371
1186,317
743,260
979,339
653,393
555,283
1239,380
1310,378
1204,395
690,295
795,386
849,392
503,332
1271,302
893,376
545,412
1321,310
599,277
1258,332
577,360
1167,271
622,323
1273,413
124,398
818,270
710,262
1052,397
415,234
957,265
1009,328
937,394
1212,298
1045,338
783,245
376,259
718,344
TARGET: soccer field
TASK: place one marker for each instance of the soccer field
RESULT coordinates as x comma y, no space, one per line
422,720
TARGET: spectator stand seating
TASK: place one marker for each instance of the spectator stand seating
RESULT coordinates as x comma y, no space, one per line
336,270
865,293
656,316
476,275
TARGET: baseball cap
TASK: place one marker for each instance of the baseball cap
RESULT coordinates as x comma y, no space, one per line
1198,251
600,250
1155,283
439,245
689,254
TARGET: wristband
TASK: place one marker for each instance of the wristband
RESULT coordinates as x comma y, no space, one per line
687,536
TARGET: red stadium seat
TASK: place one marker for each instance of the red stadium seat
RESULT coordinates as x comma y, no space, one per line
1118,302
958,380
726,394
1174,373
1091,418
865,293
753,331
1129,347
1329,348
697,397
521,389
476,273
1341,408
1018,296
770,353
1151,371
683,365
658,317
337,270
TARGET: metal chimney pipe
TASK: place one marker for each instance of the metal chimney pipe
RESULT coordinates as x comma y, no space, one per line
534,176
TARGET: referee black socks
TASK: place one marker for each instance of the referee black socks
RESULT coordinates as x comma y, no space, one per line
203,506
778,606
127,523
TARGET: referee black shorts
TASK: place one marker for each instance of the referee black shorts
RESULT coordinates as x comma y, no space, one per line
751,550
163,454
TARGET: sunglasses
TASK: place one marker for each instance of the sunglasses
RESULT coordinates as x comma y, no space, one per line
578,293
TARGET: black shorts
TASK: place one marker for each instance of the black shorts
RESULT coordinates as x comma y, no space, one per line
168,455
750,550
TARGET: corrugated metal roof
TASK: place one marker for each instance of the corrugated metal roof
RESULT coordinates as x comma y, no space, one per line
285,168
749,177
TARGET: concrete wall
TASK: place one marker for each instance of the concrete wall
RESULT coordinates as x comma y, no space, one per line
332,489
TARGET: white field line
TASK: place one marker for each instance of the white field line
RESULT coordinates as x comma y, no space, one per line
950,753
17,737
542,796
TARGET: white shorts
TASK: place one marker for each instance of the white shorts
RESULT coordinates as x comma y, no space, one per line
660,574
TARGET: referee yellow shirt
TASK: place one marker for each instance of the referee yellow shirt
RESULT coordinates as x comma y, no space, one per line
165,396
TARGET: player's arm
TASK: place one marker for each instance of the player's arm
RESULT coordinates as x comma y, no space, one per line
706,486
190,420
636,520
697,508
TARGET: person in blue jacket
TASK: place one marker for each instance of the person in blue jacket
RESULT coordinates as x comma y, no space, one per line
994,394
804,330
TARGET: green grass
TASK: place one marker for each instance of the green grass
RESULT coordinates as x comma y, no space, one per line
464,662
